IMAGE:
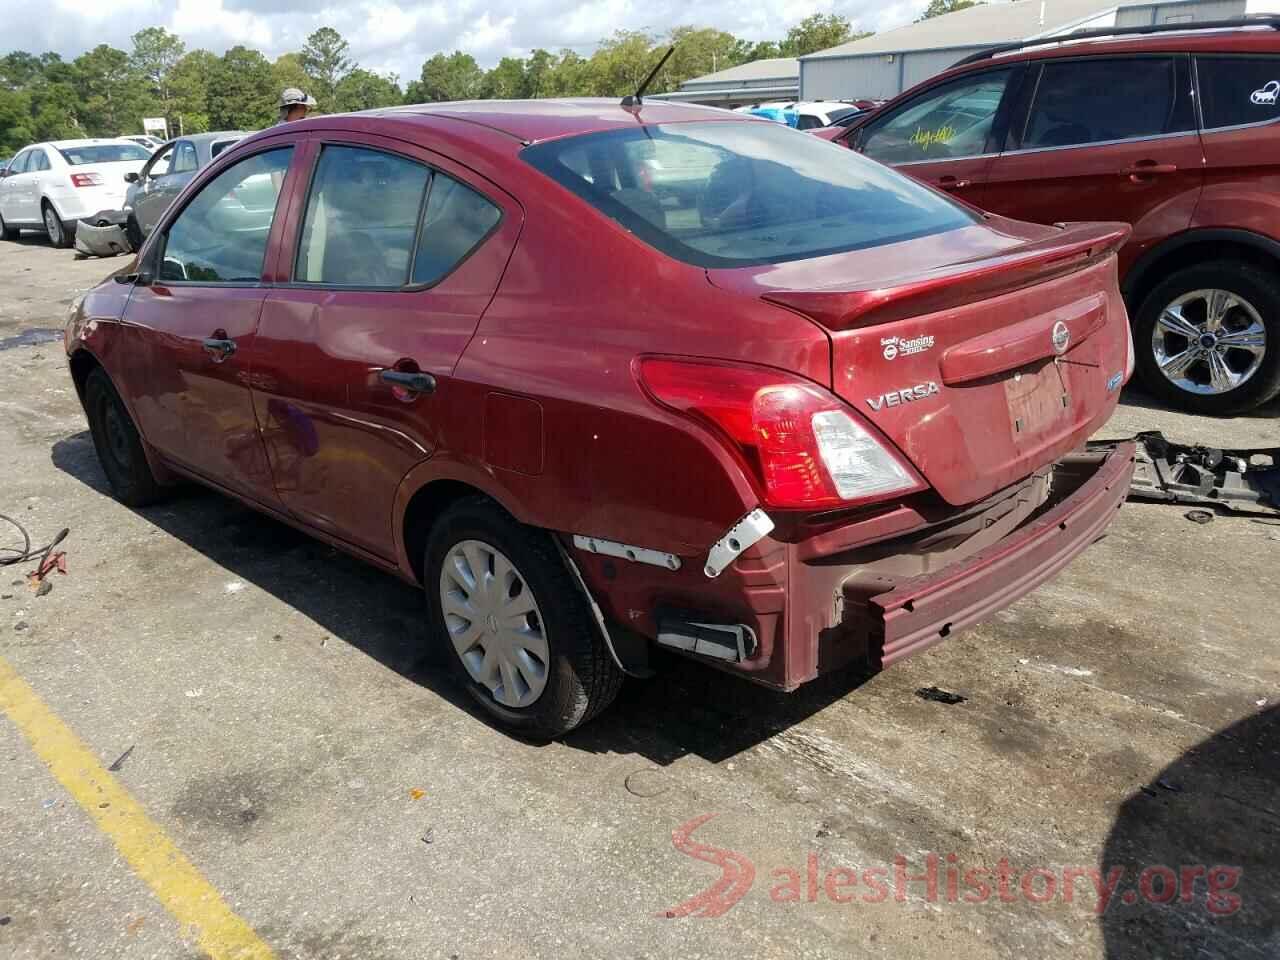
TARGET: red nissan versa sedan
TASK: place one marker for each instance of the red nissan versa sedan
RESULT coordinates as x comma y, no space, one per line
1174,129
779,408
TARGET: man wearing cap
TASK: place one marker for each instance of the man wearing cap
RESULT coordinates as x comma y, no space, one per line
294,105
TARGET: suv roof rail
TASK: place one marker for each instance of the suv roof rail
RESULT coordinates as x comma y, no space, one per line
1255,20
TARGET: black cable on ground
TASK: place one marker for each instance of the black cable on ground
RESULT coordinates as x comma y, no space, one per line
11,555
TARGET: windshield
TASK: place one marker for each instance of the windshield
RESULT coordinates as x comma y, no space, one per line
220,145
732,194
104,153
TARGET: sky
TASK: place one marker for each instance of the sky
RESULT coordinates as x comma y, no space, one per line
397,37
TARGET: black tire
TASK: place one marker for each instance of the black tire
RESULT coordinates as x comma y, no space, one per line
7,232
581,676
59,235
1260,288
117,442
133,233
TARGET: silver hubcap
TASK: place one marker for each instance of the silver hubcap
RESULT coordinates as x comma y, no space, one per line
494,623
1209,341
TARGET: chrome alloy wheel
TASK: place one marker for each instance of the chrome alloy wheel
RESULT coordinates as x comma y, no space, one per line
1209,341
494,623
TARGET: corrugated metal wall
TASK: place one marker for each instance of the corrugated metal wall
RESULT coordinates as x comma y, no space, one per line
874,76
1177,12
849,77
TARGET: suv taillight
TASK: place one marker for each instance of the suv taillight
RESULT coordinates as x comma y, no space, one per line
805,448
86,180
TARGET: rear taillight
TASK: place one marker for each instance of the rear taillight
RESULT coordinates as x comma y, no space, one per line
804,447
86,180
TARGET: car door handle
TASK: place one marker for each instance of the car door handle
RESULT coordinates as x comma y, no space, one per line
417,382
1140,170
219,348
953,183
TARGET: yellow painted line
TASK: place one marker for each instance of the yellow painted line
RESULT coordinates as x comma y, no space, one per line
175,881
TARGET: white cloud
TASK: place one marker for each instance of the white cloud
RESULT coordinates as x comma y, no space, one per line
398,36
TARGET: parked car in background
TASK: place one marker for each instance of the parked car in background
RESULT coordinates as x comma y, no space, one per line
50,186
813,414
4,164
143,140
170,169
1174,129
804,114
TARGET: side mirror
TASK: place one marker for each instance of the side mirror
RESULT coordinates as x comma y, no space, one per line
131,177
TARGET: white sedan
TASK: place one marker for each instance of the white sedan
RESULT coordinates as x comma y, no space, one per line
50,186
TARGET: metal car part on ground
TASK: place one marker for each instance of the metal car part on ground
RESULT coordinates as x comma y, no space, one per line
1243,481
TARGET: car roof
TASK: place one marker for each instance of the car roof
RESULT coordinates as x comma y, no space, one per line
1259,37
215,135
87,142
531,121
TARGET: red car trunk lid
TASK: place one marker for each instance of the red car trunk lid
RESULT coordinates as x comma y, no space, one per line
983,354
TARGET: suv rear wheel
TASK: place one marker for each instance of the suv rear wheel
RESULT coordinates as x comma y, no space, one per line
520,636
1208,338
59,236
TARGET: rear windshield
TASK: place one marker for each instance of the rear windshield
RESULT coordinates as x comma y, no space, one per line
735,193
104,153
835,116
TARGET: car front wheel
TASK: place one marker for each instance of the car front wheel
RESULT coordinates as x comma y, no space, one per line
117,443
519,634
1208,338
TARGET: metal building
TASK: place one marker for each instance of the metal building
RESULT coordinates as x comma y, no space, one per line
885,64
754,82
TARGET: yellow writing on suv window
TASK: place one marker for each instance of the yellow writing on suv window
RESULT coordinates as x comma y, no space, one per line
928,138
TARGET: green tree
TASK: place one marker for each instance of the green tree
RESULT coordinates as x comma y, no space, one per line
455,77
764,50
568,76
937,8
325,59
366,90
288,71
241,94
16,127
818,32
19,69
113,95
621,63
507,81
156,52
699,50
189,87
537,72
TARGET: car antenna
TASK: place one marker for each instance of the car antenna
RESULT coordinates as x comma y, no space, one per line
637,99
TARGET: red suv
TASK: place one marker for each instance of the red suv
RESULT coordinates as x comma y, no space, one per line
779,409
1171,129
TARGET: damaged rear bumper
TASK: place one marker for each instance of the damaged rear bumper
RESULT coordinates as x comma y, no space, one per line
914,613
873,590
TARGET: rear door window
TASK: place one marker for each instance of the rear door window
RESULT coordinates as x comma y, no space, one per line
1080,102
221,235
184,158
39,161
362,216
950,121
1236,91
456,220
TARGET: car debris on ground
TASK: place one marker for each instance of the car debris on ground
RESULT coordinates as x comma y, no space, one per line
1237,480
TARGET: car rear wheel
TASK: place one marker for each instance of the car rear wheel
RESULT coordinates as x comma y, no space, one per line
116,440
1208,338
59,236
8,232
519,634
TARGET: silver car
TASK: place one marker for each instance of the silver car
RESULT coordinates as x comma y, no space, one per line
169,170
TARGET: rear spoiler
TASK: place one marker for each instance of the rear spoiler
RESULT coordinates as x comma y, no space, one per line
1077,246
